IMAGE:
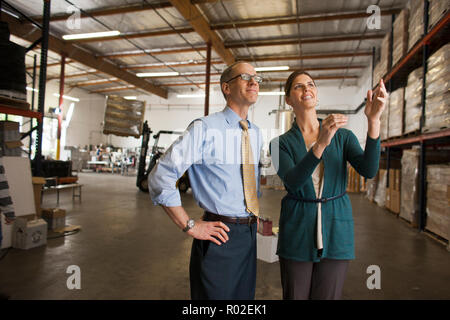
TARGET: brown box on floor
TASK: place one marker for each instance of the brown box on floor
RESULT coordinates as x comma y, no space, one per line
55,218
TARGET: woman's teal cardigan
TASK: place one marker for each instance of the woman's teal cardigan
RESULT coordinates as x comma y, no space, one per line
295,165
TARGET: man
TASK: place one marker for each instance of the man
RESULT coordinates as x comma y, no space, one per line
223,256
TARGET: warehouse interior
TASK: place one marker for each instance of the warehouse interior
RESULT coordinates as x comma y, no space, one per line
84,117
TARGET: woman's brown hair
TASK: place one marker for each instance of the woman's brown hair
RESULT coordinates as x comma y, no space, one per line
290,80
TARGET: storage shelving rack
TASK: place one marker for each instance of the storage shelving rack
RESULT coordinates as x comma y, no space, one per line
39,114
417,57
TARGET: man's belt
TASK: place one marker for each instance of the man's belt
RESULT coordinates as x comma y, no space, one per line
209,216
322,200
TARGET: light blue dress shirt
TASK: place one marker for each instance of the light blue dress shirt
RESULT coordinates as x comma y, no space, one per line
210,149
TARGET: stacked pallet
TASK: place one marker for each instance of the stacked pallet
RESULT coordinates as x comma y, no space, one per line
413,101
409,209
396,106
355,183
416,25
380,194
438,200
400,36
384,64
436,10
10,144
437,101
393,191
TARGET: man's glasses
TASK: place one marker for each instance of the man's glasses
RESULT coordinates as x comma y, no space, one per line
247,77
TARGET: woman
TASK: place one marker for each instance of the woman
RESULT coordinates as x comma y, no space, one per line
315,241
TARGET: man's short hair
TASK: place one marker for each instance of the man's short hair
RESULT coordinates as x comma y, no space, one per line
227,74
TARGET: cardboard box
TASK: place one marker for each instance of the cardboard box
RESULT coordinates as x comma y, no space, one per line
29,234
395,201
266,248
55,218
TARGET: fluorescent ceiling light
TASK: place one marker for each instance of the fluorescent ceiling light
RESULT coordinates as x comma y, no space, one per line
130,97
156,74
279,68
67,97
91,35
31,89
197,95
271,93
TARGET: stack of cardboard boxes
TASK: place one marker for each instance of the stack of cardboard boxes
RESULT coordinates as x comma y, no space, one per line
384,64
393,191
436,10
416,26
437,101
438,200
396,107
10,144
400,36
413,101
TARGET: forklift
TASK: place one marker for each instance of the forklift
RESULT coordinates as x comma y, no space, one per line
183,183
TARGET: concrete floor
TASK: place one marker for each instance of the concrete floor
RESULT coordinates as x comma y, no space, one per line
130,249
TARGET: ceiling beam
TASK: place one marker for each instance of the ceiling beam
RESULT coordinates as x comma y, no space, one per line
113,89
308,56
108,11
252,43
238,24
31,34
153,52
171,64
291,69
202,27
296,41
133,35
263,22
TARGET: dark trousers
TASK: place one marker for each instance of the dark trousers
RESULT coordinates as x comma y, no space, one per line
228,271
303,280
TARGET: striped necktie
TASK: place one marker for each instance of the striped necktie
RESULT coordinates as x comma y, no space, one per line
248,172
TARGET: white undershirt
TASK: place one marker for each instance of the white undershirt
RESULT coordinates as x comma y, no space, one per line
318,187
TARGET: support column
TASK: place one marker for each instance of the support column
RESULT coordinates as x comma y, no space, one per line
42,84
61,93
208,77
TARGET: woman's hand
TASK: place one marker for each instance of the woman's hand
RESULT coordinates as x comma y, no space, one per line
329,127
376,102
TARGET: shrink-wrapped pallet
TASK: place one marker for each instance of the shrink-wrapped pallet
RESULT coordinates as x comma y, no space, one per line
396,106
413,101
437,101
409,209
380,194
382,67
415,24
436,10
400,36
438,201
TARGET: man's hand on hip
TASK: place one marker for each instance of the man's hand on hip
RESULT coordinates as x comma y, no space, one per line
210,230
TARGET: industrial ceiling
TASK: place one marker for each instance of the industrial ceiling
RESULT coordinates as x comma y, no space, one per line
330,39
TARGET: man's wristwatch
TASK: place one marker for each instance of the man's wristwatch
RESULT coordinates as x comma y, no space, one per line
190,224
